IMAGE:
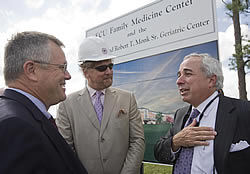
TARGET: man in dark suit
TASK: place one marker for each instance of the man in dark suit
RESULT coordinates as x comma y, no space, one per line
217,140
35,71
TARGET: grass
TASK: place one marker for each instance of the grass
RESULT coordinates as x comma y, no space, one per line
150,168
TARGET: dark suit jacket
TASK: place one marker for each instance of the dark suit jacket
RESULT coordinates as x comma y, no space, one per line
29,143
232,125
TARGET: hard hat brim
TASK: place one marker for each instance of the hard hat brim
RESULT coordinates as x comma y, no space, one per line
97,59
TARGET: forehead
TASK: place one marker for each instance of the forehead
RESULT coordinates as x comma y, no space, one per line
191,64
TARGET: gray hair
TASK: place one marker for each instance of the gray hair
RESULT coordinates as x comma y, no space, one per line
210,66
24,46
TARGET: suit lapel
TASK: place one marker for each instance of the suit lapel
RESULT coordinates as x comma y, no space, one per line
181,118
109,103
57,141
225,126
86,103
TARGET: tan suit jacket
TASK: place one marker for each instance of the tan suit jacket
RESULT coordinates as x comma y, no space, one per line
114,147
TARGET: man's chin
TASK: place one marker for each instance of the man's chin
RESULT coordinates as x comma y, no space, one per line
61,98
184,98
108,83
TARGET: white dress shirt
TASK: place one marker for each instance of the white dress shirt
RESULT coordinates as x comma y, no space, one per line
203,158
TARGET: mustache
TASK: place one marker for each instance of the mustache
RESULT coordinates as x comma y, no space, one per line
108,76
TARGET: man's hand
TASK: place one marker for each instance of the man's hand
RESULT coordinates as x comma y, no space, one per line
193,136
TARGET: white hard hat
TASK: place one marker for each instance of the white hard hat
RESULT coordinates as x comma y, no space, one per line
94,49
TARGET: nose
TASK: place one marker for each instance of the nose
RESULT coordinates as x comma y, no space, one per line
108,70
67,75
179,80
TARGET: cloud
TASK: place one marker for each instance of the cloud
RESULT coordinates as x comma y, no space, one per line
34,3
226,49
219,4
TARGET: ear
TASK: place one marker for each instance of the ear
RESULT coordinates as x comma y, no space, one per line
85,73
212,81
30,70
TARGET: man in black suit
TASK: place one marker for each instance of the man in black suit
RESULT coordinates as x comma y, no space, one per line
35,71
218,139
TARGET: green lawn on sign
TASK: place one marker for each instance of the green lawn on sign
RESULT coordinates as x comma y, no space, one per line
157,169
152,133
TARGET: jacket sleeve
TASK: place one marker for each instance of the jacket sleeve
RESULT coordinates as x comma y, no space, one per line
136,149
63,124
163,147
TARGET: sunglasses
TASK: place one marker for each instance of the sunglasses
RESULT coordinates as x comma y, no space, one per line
103,68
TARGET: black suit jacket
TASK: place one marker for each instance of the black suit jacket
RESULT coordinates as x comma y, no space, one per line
232,125
29,143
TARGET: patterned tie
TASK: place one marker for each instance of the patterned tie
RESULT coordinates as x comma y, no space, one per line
53,122
184,162
98,106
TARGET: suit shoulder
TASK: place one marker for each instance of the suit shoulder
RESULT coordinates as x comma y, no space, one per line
75,94
11,108
235,101
183,109
121,91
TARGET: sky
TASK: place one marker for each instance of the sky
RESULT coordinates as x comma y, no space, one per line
68,20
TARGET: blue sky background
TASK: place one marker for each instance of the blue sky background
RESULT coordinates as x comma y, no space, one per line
69,19
153,78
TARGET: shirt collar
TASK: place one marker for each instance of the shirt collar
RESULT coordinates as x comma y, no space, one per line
202,106
92,91
36,101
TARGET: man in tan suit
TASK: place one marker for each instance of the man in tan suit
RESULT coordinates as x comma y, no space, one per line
1,90
102,124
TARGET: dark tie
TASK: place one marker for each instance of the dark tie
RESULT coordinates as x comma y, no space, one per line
184,162
52,120
98,106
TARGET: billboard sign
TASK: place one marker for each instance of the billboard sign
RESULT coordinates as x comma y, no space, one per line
150,44
161,26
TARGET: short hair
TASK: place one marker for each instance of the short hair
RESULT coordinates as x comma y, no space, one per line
24,46
210,66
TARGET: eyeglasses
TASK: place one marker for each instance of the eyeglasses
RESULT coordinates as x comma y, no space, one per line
60,66
103,68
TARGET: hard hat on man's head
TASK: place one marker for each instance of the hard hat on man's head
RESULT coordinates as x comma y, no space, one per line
94,49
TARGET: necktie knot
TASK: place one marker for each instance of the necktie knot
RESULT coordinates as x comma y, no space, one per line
98,94
193,115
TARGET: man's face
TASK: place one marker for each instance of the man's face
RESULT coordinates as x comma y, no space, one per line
52,78
193,85
99,80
